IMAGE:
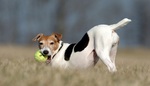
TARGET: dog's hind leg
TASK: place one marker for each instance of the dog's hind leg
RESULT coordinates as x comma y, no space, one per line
104,56
103,49
113,53
103,52
114,46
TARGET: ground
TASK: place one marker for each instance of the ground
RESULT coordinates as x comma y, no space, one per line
18,68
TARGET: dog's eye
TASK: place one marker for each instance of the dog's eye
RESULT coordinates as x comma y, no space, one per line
40,43
51,43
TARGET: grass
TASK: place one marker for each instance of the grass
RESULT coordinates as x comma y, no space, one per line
18,68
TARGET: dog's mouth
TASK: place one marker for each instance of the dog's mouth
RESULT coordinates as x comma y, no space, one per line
48,60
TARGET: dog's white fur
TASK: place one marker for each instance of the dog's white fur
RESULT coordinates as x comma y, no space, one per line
103,43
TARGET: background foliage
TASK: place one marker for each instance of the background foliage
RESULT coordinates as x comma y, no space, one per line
21,20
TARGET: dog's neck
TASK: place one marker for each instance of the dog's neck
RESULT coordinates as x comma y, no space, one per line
58,49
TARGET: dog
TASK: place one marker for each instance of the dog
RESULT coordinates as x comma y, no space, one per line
100,42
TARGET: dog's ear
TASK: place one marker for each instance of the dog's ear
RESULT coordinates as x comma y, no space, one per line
37,38
58,36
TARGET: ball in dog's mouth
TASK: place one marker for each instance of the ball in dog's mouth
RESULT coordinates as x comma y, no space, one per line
40,57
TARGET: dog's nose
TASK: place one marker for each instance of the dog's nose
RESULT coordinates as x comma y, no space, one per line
45,52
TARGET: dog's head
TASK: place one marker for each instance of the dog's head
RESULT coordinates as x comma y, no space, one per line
48,44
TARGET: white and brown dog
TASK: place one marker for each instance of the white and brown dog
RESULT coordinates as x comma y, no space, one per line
99,42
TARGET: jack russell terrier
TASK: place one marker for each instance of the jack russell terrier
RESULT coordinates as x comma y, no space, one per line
100,42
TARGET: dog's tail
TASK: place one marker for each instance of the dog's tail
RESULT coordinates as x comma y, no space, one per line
120,24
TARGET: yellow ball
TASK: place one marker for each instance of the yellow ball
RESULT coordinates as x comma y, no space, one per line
39,57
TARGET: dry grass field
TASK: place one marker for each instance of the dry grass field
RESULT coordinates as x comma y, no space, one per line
18,68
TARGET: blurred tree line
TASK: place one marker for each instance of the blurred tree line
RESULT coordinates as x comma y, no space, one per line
21,20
